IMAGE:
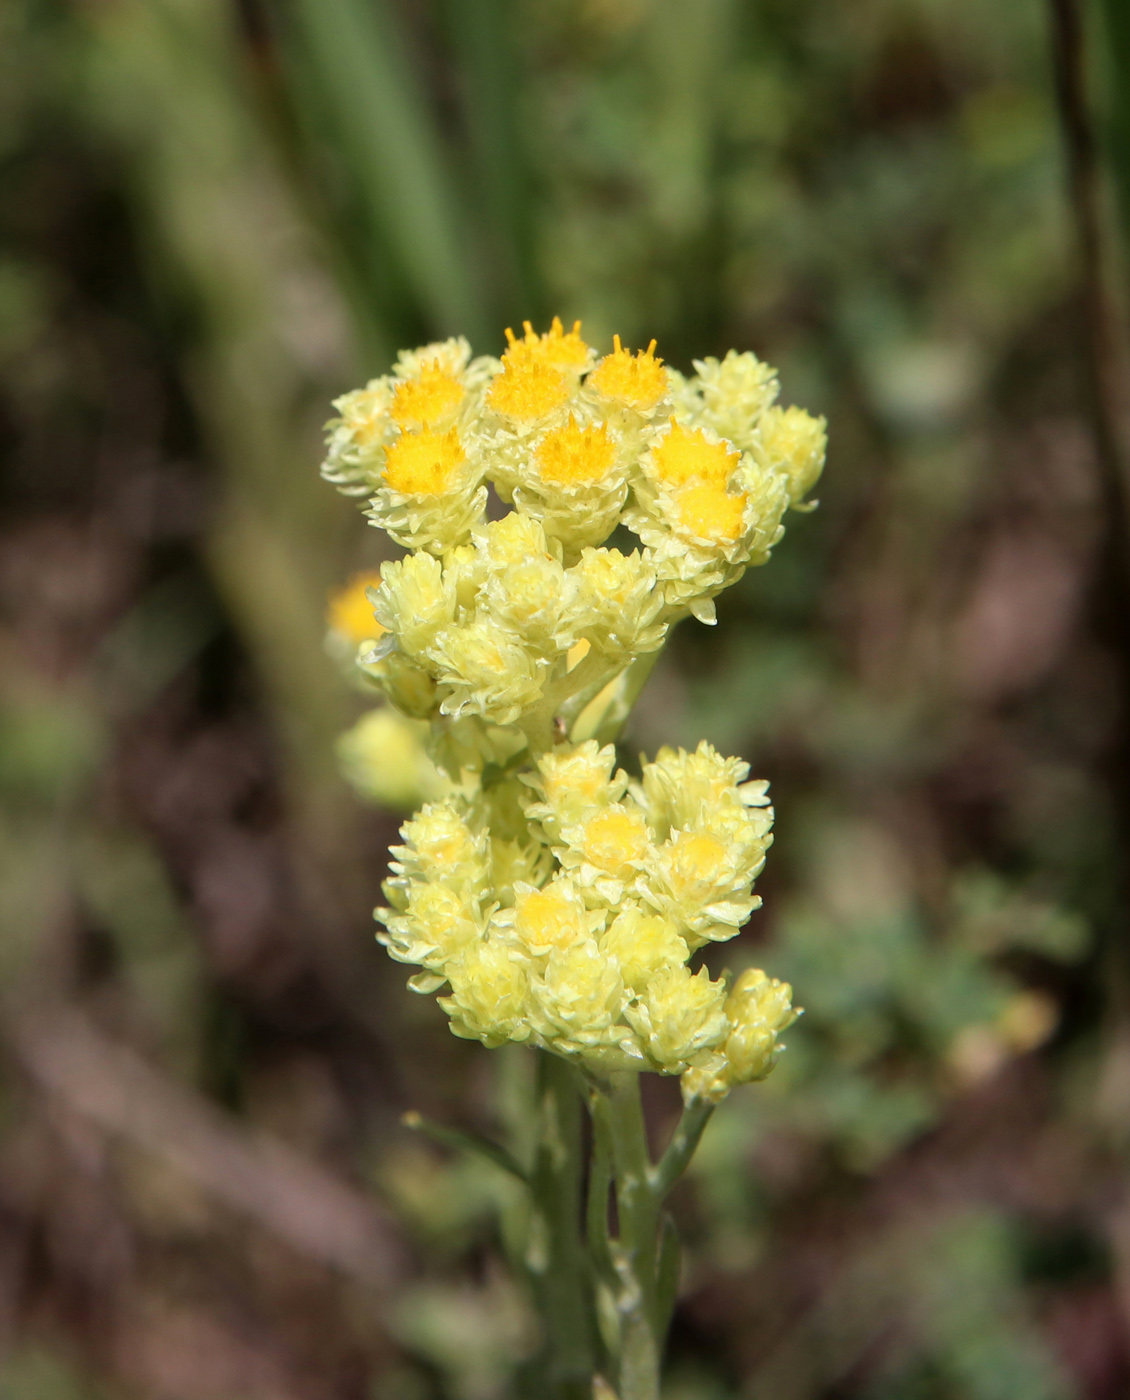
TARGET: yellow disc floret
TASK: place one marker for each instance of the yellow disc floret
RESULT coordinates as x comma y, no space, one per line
527,389
427,399
710,512
615,840
349,612
572,456
558,347
546,919
639,380
686,454
697,860
424,463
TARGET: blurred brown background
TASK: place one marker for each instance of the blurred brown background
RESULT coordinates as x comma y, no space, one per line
216,216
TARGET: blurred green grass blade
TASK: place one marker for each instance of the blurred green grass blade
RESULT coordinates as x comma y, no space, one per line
483,38
1116,15
393,153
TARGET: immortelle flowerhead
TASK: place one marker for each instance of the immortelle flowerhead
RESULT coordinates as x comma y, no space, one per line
550,899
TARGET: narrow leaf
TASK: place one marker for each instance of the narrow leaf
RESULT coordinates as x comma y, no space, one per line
466,1142
367,83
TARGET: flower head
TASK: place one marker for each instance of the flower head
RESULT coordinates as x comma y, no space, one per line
793,443
679,1015
731,396
573,456
757,1011
430,398
384,759
527,389
424,463
616,603
565,350
684,455
489,994
636,381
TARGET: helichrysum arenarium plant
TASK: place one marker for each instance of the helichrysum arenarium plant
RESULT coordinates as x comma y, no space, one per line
550,899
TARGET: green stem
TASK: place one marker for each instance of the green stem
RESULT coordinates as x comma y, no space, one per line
600,1183
667,1278
634,1254
593,671
642,1263
635,678
539,723
556,1256
595,715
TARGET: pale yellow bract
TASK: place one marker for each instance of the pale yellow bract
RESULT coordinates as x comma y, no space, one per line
550,899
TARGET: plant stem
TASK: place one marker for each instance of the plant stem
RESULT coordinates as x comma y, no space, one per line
641,1265
600,1183
634,1252
556,1257
1105,351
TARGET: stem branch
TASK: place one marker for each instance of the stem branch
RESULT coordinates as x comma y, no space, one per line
682,1146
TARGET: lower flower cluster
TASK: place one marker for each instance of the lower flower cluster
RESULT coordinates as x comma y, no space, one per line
562,908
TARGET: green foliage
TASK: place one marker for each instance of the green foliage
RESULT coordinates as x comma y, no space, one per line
354,65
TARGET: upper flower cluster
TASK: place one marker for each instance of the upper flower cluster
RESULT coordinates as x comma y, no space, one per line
559,902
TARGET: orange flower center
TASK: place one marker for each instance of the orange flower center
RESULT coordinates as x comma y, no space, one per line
639,380
684,454
430,397
527,389
710,513
557,347
424,463
573,456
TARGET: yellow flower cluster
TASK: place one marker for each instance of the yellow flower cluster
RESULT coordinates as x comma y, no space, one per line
562,907
558,902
